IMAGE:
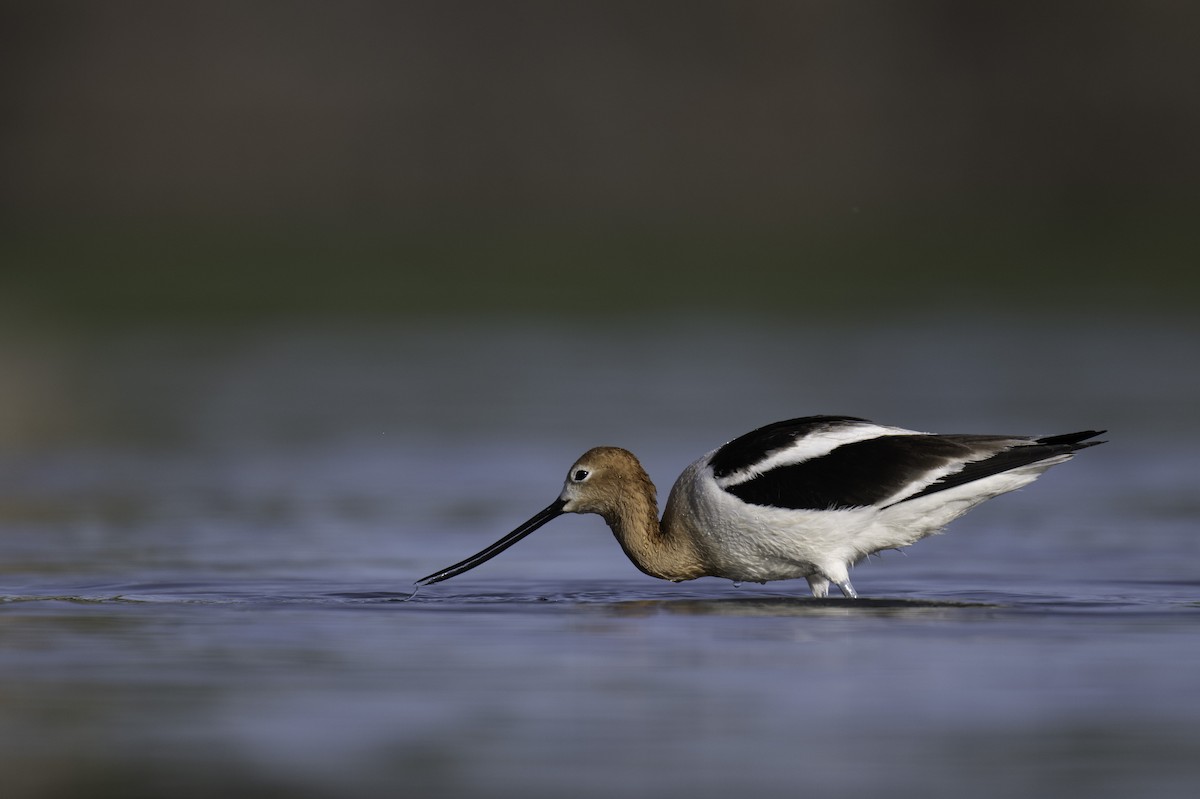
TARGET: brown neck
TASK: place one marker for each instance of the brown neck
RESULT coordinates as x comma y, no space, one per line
634,522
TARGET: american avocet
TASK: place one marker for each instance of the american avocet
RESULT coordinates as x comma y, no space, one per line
804,497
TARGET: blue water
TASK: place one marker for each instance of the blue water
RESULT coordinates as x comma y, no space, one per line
208,539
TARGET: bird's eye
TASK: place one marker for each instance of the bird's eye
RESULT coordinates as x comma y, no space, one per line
580,475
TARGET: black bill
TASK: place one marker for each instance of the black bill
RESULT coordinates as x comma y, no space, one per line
554,510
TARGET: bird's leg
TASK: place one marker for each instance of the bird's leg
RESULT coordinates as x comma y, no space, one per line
818,585
847,589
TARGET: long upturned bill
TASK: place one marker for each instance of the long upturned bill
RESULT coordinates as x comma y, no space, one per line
553,510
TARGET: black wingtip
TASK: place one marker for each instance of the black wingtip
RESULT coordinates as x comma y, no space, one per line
1074,438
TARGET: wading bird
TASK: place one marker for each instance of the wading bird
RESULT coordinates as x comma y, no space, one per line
806,497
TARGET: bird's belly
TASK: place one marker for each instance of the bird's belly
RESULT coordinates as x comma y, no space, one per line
759,544
762,570
761,558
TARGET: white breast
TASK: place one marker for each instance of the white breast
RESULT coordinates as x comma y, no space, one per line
757,543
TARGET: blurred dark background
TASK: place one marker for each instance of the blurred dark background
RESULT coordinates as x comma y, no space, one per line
239,159
302,300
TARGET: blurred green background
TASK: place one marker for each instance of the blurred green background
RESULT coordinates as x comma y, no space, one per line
234,160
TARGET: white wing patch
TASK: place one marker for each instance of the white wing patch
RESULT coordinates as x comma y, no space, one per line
921,483
811,446
982,452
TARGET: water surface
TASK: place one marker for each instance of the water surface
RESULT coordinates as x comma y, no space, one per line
208,539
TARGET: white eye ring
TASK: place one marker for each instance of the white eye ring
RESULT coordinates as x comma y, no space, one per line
579,475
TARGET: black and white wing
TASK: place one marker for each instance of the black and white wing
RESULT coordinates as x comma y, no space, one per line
837,462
